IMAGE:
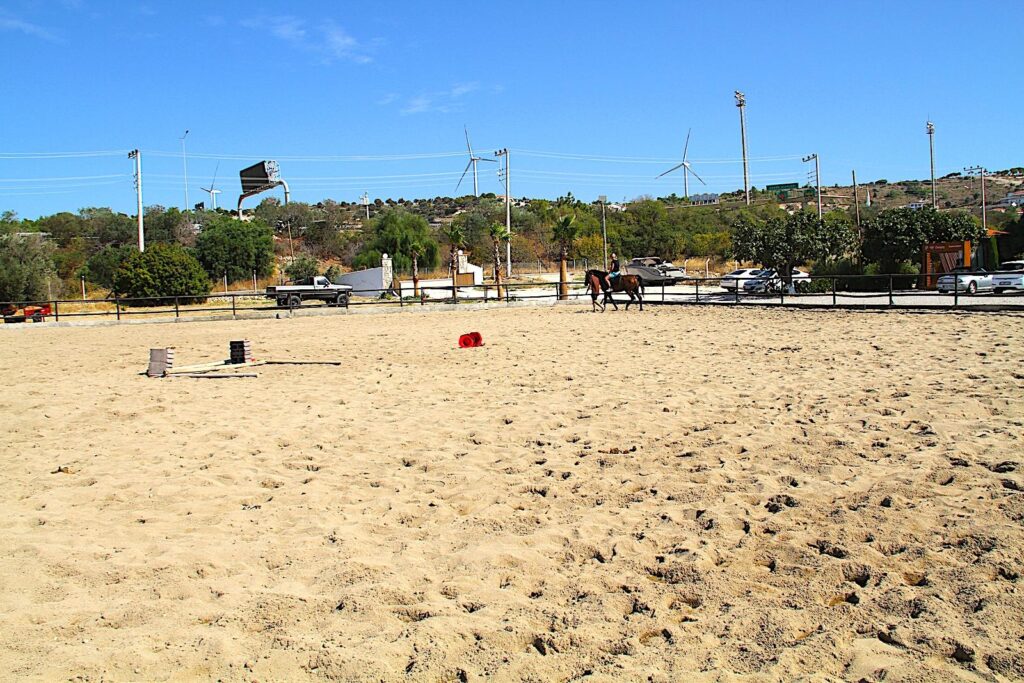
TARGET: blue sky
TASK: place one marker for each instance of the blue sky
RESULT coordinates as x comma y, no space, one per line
590,97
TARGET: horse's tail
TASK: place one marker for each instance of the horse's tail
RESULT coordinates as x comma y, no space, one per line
640,283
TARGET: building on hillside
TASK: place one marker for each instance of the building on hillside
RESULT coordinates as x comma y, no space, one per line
1012,199
704,199
915,206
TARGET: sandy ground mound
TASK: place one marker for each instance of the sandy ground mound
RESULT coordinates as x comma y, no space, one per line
679,494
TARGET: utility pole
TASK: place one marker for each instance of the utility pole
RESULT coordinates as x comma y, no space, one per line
856,198
508,215
817,178
135,154
366,204
741,102
930,128
604,231
184,162
984,210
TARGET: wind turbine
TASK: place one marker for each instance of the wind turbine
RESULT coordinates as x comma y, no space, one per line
211,190
472,162
687,169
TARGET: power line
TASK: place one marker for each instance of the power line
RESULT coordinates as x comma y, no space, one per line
60,155
62,178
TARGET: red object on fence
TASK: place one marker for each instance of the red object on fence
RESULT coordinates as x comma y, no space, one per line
468,341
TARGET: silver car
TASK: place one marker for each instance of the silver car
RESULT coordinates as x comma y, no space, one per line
770,281
965,280
655,271
1010,277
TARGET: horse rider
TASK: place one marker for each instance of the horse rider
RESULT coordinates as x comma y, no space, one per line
614,272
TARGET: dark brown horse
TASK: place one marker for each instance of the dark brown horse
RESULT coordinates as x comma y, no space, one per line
630,284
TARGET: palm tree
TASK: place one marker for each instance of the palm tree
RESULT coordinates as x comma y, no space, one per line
415,248
457,239
564,233
499,234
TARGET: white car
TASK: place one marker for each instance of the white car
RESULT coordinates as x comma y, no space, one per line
1010,277
736,278
769,281
965,280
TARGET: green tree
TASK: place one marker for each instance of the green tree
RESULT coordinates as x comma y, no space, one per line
163,270
456,240
62,227
782,243
25,267
167,225
896,236
564,234
415,249
108,227
228,245
393,233
102,266
498,234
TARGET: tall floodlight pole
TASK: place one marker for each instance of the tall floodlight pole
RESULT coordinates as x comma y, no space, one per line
817,178
604,232
508,215
134,154
366,204
184,163
930,128
984,208
741,102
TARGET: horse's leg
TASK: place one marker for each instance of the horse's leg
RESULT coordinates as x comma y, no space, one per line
608,299
640,298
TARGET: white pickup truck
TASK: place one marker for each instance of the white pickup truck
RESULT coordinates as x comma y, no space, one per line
318,287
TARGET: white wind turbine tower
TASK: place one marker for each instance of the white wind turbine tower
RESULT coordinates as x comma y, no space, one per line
212,189
687,169
472,162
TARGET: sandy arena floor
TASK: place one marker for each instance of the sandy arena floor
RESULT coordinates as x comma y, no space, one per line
683,494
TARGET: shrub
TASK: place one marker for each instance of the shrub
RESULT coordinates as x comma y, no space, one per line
162,270
102,266
303,266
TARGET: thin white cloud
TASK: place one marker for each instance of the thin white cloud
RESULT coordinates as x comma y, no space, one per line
8,23
443,101
325,39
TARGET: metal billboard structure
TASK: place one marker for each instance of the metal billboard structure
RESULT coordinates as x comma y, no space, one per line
266,175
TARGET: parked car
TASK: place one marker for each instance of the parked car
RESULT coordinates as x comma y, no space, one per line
768,280
1014,279
655,271
736,278
965,280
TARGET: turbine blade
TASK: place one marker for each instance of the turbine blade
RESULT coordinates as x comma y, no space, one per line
463,176
215,169
690,169
670,170
468,146
493,161
687,145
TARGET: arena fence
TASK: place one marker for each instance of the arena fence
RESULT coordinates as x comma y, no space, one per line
830,291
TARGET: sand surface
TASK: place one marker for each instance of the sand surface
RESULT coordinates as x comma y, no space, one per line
682,494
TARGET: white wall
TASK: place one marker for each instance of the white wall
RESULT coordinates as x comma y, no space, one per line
370,279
